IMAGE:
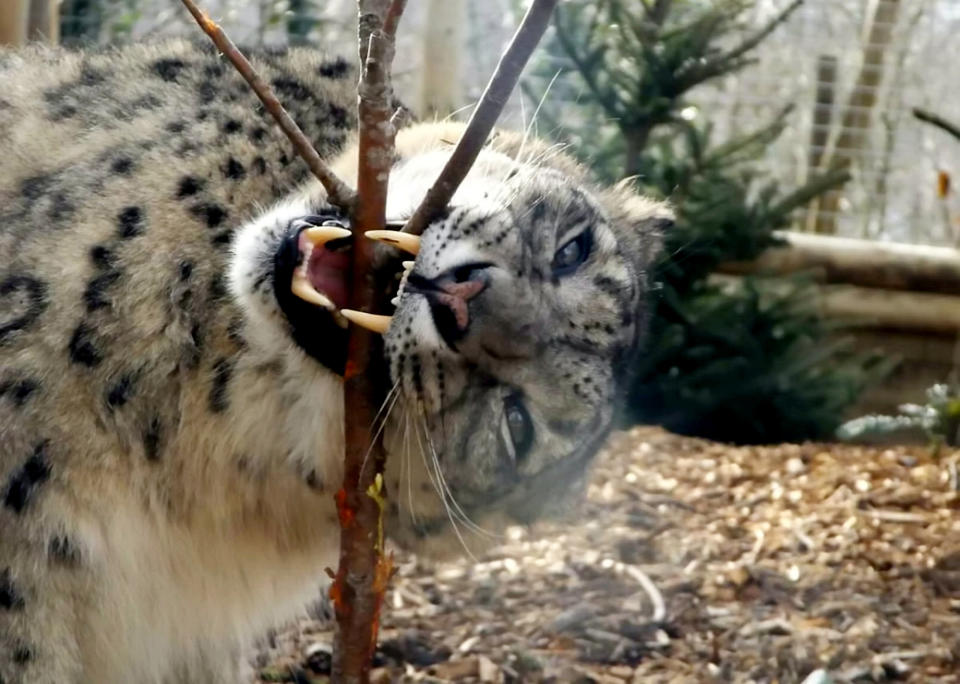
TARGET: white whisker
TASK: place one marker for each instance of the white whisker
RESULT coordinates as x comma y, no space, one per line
386,399
448,494
518,157
464,108
388,403
528,127
407,463
443,499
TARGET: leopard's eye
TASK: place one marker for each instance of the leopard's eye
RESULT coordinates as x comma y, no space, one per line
572,254
517,428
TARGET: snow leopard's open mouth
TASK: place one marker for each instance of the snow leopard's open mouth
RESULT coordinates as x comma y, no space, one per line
311,281
323,266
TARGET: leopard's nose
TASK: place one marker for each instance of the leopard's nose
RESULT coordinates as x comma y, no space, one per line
449,295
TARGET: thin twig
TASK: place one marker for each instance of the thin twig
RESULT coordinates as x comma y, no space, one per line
938,121
897,516
485,115
338,192
656,598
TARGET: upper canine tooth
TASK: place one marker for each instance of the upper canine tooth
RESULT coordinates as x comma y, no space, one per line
302,288
319,235
373,322
405,241
407,264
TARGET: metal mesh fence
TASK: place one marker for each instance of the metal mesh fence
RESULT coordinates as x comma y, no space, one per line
854,70
251,22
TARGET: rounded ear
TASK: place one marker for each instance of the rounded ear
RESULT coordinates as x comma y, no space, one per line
641,222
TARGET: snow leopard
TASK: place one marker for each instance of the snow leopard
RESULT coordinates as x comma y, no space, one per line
172,336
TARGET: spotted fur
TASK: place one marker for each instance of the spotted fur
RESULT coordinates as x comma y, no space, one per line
170,443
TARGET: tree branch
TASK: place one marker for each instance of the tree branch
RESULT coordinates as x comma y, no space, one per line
361,578
761,35
338,192
363,572
585,71
938,121
485,115
735,57
829,180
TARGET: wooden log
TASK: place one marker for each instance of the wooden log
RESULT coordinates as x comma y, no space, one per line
865,307
897,310
14,15
443,38
43,23
889,266
852,141
823,105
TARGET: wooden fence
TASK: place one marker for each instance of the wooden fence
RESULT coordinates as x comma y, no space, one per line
901,299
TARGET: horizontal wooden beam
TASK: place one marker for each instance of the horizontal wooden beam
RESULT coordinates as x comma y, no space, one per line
883,265
894,309
875,308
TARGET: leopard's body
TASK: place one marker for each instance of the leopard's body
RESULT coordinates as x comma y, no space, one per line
168,450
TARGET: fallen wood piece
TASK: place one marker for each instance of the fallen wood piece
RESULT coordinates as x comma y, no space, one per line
885,265
656,598
455,669
897,516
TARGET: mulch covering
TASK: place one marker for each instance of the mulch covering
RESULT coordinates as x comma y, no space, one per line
816,562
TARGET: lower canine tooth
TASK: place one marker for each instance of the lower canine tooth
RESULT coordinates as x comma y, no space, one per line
373,322
405,241
302,288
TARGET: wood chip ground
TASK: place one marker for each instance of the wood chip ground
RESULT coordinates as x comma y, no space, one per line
790,563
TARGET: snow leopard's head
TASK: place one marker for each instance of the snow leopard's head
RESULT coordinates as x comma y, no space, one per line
512,339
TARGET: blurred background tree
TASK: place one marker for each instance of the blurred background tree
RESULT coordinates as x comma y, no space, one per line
747,360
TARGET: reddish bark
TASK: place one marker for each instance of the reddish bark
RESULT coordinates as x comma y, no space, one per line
361,579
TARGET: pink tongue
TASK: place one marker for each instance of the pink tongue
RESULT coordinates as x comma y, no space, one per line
328,273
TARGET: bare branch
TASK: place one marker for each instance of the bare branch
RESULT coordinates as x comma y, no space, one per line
735,58
485,115
361,578
363,573
938,121
758,37
338,192
393,17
